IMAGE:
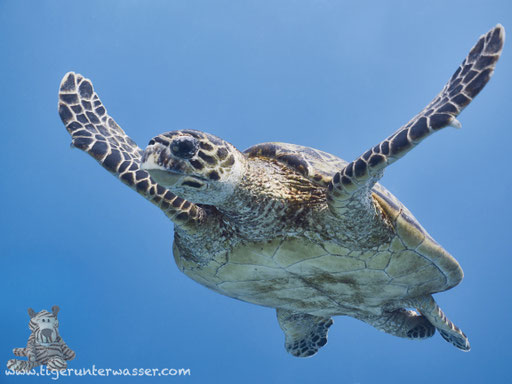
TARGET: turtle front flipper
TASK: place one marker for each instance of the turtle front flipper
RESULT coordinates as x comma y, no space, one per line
355,180
304,334
96,133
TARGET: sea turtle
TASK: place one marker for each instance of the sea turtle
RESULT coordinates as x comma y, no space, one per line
291,227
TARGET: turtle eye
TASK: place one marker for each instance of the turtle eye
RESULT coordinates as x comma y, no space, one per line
184,147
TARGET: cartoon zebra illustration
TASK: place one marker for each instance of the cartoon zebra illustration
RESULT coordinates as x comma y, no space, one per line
44,346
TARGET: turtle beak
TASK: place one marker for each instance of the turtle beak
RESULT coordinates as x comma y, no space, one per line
167,170
158,162
151,158
164,177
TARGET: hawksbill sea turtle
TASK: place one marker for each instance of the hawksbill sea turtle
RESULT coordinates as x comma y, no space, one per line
291,227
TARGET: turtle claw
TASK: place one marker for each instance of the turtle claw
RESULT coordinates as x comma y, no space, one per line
455,123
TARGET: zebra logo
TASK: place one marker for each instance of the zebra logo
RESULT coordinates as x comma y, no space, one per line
45,345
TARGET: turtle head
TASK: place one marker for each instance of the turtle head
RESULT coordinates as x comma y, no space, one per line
194,165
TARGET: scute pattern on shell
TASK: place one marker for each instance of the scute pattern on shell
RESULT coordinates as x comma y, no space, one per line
320,279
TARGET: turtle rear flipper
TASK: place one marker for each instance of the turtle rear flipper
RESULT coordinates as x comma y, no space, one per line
449,331
402,323
96,133
304,334
355,180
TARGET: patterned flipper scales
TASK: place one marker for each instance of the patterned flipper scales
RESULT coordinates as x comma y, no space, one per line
449,331
304,334
96,133
403,323
354,181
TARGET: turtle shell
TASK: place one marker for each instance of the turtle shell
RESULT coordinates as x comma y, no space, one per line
324,277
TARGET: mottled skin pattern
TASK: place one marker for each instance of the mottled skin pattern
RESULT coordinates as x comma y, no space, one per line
290,227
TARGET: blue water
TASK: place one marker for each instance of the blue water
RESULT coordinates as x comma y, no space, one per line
333,75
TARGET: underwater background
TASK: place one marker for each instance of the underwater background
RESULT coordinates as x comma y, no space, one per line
335,75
